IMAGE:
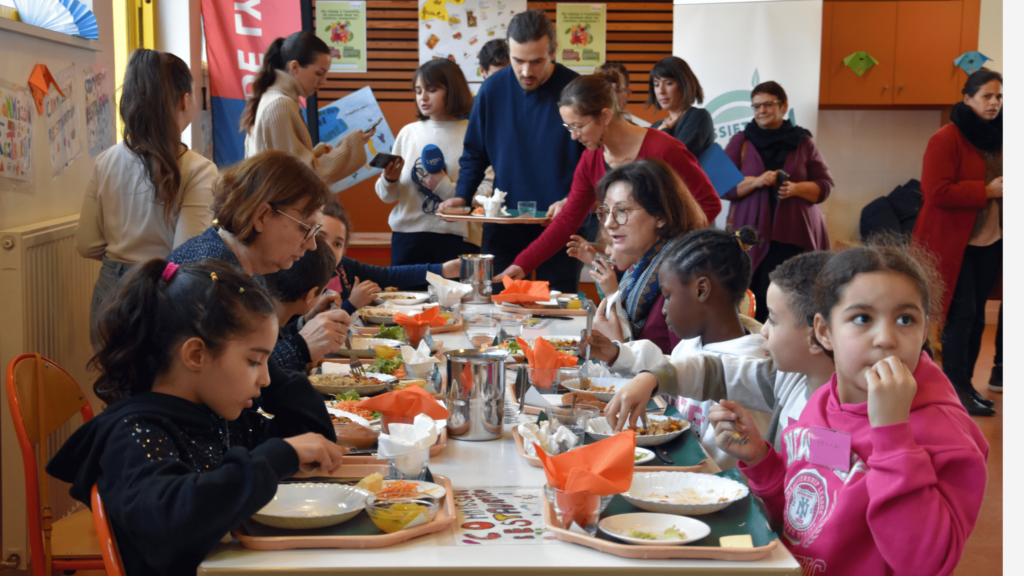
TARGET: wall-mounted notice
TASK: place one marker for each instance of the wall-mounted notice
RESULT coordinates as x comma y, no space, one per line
342,25
15,132
63,124
99,109
581,36
358,110
457,29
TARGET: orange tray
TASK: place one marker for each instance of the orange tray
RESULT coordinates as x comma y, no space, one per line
442,521
655,552
534,461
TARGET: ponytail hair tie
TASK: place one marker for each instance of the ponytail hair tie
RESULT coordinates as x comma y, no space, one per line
213,276
169,271
743,246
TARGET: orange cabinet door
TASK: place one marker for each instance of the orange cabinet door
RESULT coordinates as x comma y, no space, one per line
868,27
927,42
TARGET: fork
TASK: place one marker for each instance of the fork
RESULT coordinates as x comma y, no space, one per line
585,370
354,363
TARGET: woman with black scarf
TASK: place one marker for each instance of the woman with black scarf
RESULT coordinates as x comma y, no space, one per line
961,223
783,208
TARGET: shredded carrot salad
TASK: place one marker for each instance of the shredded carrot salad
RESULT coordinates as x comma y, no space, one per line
350,407
399,486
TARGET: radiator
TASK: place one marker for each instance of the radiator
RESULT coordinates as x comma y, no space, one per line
45,292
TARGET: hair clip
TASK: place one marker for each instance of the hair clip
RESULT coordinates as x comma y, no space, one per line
241,290
169,271
743,246
213,276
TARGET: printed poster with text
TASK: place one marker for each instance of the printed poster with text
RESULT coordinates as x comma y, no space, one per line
342,25
358,110
581,36
99,109
15,132
500,515
63,124
457,29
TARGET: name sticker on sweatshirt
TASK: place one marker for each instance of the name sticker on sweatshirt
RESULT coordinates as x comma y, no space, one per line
829,448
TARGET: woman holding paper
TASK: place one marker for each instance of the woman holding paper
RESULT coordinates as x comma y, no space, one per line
785,179
591,113
272,119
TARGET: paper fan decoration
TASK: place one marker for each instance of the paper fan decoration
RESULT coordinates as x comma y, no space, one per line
85,20
49,14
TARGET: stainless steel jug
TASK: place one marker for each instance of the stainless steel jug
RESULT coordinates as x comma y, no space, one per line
475,394
477,270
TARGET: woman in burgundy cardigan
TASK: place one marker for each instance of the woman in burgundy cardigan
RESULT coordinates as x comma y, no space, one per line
784,213
960,222
589,108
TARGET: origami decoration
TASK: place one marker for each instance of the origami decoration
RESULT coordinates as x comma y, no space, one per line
971,62
860,62
39,82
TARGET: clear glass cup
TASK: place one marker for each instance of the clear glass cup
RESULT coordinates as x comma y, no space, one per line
481,330
527,209
543,378
411,466
580,508
567,374
575,419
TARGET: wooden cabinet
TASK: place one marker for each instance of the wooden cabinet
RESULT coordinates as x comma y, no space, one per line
914,41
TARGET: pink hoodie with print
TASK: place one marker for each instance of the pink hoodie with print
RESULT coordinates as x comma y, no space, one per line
909,501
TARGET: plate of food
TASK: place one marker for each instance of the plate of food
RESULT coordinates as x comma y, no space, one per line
603,388
648,529
420,486
660,429
378,315
346,403
685,493
401,298
341,383
364,347
642,455
312,505
564,342
512,347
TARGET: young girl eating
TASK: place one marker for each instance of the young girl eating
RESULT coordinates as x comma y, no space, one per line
884,472
177,458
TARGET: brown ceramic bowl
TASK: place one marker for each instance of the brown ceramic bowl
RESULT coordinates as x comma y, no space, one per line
357,435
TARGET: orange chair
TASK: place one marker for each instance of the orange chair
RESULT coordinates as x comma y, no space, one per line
751,304
105,533
43,397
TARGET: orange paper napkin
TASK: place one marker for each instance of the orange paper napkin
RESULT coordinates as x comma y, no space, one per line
429,317
405,403
523,292
545,355
603,468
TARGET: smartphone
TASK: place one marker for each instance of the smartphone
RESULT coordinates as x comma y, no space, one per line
381,160
374,125
782,178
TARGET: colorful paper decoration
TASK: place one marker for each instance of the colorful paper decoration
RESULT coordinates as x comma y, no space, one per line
860,62
39,82
971,62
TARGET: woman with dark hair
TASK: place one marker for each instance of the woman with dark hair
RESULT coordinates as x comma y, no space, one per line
272,120
149,193
675,89
427,172
961,222
646,209
785,178
591,114
622,91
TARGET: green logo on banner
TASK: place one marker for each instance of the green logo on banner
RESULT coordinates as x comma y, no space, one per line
731,112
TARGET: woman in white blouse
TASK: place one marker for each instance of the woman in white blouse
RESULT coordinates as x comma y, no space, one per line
149,193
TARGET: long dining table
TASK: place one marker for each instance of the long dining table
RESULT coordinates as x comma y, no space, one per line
472,465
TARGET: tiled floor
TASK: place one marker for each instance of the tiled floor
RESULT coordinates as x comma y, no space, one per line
984,551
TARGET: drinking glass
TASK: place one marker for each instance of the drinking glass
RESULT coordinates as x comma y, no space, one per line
481,330
580,508
575,419
411,466
527,209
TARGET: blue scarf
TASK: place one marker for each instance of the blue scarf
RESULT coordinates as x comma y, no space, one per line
639,286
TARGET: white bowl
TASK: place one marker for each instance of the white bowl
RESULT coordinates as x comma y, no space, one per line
663,491
600,429
303,506
647,455
618,527
615,383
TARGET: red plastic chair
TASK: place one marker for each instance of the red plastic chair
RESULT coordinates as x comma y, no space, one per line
751,304
105,533
43,397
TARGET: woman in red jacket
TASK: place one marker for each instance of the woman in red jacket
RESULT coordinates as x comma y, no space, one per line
960,221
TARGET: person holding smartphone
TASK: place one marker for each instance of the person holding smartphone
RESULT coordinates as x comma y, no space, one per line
785,178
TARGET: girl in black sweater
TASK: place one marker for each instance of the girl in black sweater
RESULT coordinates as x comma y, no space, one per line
178,459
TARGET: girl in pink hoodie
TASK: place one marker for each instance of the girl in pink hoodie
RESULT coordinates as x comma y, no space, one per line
884,472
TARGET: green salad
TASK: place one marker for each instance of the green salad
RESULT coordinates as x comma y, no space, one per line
391,333
385,366
353,396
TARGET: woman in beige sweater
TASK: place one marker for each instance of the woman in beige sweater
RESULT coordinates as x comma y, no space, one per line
292,67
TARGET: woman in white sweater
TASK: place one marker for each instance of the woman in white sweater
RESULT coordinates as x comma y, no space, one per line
272,119
149,193
419,236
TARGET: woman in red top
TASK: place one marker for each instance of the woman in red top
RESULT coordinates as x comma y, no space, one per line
592,115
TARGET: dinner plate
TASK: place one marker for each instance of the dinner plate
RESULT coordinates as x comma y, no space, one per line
574,337
425,487
408,299
600,429
341,413
312,505
389,318
618,526
615,383
361,390
360,343
668,492
647,455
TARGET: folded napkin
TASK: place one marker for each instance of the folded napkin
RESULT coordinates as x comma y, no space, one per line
535,435
335,368
544,355
407,403
408,444
419,363
429,317
603,468
449,292
523,292
492,204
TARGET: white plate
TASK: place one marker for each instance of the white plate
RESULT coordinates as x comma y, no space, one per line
615,383
599,428
425,487
341,413
409,298
575,337
618,526
302,506
367,319
361,390
360,343
656,492
647,454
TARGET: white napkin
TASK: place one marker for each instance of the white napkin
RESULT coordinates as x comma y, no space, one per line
561,441
615,306
419,363
449,292
492,204
408,444
335,368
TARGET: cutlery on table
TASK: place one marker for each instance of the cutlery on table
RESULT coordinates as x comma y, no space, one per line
662,455
523,385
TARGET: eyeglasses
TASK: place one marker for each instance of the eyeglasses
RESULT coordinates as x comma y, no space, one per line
577,131
766,105
619,214
310,230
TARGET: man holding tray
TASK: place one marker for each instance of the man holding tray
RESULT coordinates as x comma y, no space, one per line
515,127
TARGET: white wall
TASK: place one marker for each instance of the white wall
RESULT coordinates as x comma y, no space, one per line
990,38
177,32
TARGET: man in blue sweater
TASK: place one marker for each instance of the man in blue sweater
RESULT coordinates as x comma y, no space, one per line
515,127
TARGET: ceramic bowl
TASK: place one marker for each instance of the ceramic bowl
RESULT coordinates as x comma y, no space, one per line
312,505
619,526
600,429
685,493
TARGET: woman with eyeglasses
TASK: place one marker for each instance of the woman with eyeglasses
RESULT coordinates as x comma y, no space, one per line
591,114
428,168
675,89
785,179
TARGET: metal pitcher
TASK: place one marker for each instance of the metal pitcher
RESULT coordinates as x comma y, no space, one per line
475,394
477,270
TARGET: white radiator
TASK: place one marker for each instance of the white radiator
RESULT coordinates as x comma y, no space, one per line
45,292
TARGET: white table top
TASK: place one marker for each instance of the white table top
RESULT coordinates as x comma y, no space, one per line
472,465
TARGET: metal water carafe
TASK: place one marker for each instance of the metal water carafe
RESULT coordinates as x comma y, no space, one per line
477,270
475,394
